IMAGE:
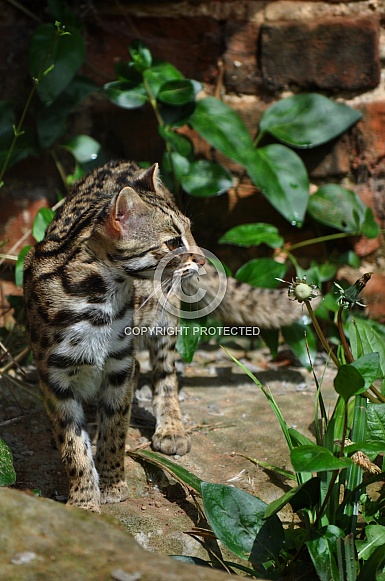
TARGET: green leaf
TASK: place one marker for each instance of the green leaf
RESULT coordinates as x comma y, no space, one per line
206,179
180,473
180,165
316,459
322,548
375,537
177,115
7,471
59,56
223,129
348,382
369,367
294,336
52,121
178,92
159,74
369,226
365,335
179,143
304,496
307,120
126,94
237,519
253,235
42,220
374,566
376,422
188,340
19,269
318,273
367,447
342,209
84,148
282,178
262,272
271,338
141,55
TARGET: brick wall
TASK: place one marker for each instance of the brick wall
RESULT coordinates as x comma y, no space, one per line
249,52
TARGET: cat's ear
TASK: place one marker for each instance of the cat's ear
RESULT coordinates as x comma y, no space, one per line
148,180
126,210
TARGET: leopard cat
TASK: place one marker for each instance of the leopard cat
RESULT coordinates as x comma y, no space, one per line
87,282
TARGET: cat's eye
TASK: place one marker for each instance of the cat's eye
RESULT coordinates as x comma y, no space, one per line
174,243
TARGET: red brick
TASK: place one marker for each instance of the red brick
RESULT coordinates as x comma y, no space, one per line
374,297
192,45
332,54
242,73
369,134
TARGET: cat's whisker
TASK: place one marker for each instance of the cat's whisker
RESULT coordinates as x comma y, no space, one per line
154,293
175,284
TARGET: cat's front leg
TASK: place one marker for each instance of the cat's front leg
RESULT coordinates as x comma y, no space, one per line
114,407
170,436
74,446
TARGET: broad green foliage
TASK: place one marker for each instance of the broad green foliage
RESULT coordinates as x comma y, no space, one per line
343,210
307,120
282,177
262,272
238,520
253,235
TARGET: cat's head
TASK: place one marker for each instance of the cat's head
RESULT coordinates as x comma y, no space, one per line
144,228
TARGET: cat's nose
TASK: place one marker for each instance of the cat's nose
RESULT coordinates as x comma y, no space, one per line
199,259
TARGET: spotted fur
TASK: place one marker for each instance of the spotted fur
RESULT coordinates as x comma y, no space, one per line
85,284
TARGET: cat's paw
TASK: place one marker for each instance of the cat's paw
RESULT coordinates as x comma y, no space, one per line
113,492
178,443
93,505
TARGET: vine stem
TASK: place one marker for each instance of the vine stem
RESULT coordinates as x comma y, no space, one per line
320,334
326,238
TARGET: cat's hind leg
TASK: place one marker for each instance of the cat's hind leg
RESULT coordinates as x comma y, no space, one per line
114,408
74,445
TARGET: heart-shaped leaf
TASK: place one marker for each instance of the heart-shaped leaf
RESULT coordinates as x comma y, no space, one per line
43,219
177,92
262,272
238,520
158,74
307,120
253,235
126,94
342,209
282,178
349,382
316,459
206,178
223,128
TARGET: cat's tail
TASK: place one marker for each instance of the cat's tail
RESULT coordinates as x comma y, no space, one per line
242,304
